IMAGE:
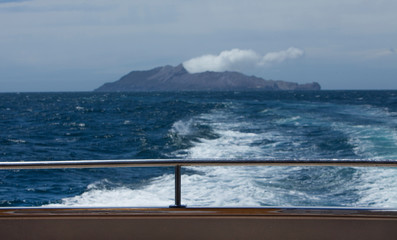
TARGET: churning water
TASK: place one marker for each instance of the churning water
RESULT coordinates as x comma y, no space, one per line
222,125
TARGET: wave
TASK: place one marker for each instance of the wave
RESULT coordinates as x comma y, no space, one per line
272,130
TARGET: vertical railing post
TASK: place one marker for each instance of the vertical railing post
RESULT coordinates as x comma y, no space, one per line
178,188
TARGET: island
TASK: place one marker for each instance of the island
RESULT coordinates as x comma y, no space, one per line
169,78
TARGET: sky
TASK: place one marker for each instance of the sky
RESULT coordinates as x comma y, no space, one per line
70,45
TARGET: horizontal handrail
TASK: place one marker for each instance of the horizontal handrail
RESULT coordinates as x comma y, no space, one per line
191,162
178,163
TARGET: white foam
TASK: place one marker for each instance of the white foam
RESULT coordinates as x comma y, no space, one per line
17,140
215,186
253,186
182,128
218,186
226,186
158,192
230,144
209,186
233,141
371,141
378,188
375,137
293,120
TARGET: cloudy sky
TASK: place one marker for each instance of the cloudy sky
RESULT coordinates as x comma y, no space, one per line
74,45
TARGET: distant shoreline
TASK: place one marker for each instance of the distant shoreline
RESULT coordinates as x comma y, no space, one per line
169,78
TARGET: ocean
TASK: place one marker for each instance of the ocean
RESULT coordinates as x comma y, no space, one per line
223,125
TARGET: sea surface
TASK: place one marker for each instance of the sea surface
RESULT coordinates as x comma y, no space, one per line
222,125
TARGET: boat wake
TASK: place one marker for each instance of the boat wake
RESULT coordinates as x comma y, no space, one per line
278,131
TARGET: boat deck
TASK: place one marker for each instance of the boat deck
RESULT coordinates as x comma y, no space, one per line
197,223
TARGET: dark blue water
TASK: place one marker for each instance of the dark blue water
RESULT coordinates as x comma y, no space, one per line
268,125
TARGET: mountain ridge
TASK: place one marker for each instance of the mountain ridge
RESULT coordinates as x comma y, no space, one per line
169,78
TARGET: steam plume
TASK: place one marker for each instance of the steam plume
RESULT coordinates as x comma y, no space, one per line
237,59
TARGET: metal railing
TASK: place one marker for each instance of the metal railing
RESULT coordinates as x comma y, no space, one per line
178,163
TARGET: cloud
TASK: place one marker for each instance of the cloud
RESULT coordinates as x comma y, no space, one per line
371,54
281,56
237,59
226,60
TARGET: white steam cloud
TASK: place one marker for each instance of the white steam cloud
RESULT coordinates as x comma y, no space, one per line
237,59
281,56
